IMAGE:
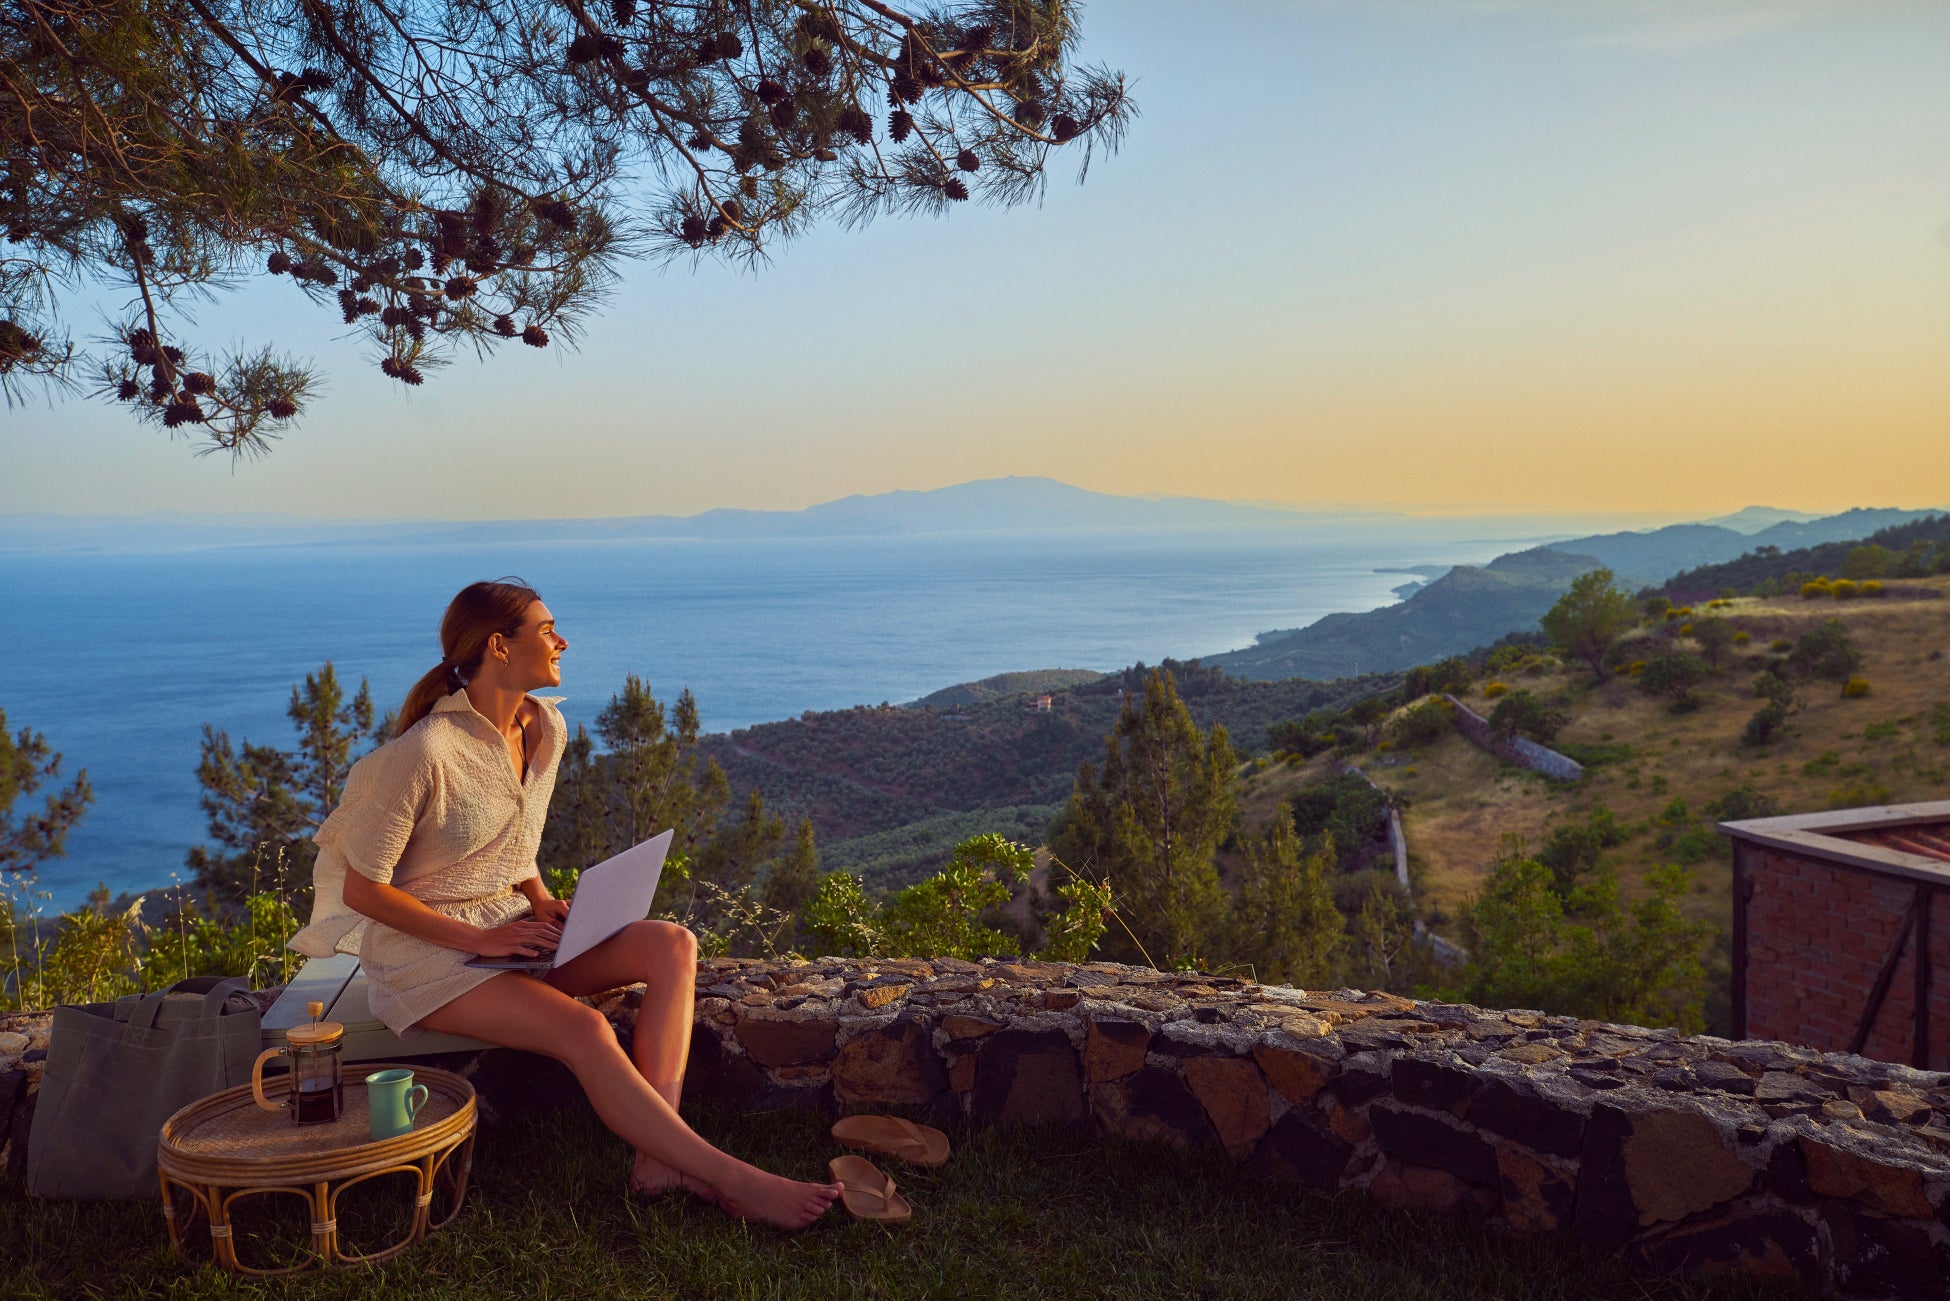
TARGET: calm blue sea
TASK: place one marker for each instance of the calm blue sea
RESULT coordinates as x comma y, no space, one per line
119,659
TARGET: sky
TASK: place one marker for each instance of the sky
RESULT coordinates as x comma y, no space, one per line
1663,257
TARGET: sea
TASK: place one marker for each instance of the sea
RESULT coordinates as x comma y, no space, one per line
121,658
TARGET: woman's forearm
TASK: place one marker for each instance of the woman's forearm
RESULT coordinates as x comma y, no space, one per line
534,888
391,906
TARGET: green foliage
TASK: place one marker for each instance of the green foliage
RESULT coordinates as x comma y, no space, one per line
1344,808
1384,950
1284,922
840,920
1585,952
906,854
1595,754
792,883
260,801
29,839
1674,675
1741,803
1590,618
1826,651
1521,713
1151,821
939,916
1420,724
1772,686
1451,676
1869,561
1855,688
1573,850
1715,639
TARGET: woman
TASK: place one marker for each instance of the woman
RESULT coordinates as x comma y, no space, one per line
429,859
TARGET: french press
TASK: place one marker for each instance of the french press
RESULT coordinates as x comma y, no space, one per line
317,1092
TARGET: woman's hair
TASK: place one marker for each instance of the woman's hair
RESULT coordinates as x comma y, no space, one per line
478,612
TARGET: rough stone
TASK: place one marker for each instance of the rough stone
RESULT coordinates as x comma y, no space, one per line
1852,1175
1761,1243
1514,1107
961,1073
1114,1049
1152,1105
1426,1140
1028,1077
13,1043
1530,1054
880,996
891,1065
1295,1072
964,1027
718,1073
1644,1167
1401,1187
1363,1076
1896,1107
1347,1122
1234,1094
786,1040
1297,1148
1434,1085
1536,1199
1879,1257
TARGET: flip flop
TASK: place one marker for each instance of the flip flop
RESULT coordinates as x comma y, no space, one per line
891,1136
868,1193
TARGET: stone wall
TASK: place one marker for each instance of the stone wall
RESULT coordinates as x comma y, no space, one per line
1817,936
1682,1153
1518,750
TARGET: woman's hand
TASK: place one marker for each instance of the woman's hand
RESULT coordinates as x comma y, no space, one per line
522,939
550,910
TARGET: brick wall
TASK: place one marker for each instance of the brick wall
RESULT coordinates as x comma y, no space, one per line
1817,934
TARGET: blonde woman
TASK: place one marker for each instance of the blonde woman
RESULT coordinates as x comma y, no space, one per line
429,859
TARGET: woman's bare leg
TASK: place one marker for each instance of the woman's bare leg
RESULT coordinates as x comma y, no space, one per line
518,1011
663,956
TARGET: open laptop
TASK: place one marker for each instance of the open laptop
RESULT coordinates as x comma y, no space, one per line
608,897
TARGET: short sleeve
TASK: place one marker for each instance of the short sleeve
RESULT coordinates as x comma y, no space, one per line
384,795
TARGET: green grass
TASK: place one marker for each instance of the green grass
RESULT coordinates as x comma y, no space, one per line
1013,1214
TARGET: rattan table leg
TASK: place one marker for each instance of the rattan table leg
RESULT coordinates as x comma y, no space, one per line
169,1217
222,1248
324,1223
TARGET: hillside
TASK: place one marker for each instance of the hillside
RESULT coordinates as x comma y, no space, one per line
1769,565
1032,682
1660,773
1467,607
867,770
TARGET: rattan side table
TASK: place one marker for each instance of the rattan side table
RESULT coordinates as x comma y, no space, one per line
225,1146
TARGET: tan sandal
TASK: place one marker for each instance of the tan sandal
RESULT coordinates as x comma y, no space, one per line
867,1192
891,1136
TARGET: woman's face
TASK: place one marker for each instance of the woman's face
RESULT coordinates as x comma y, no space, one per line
534,653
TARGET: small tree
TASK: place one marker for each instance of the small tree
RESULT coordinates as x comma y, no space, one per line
32,838
1674,676
1588,620
792,882
1715,640
1283,917
1870,561
1826,651
1521,713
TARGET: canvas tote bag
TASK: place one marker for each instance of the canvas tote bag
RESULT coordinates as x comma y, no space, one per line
116,1072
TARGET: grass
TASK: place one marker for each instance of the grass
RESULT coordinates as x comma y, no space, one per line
1013,1214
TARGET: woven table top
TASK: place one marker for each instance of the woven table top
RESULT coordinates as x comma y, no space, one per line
229,1130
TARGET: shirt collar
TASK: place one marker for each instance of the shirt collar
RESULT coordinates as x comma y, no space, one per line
460,703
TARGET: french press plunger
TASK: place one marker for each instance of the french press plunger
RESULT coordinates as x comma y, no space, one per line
317,1092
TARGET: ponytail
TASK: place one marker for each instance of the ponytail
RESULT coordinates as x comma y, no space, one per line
475,614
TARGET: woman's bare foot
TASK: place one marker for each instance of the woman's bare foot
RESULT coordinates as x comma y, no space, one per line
751,1194
653,1178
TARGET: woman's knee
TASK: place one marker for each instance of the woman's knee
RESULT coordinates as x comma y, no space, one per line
578,1029
664,944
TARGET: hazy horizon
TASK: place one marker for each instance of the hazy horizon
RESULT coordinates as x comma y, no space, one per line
1629,259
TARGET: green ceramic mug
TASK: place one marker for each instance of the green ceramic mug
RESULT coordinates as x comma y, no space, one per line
392,1101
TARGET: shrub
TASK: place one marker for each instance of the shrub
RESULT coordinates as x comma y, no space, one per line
1421,724
1816,590
1718,603
1826,651
1450,675
1492,690
1869,561
1742,638
1655,607
1521,712
1741,803
1768,725
1873,587
1674,676
1780,644
1855,688
1774,687
1685,630
1860,795
1844,590
1635,668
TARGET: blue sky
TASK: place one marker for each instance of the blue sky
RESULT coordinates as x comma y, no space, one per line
1605,256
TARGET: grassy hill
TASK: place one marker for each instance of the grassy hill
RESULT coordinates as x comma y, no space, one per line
1032,682
1662,774
1469,606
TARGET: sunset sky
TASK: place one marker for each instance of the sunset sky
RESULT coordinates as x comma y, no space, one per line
1660,256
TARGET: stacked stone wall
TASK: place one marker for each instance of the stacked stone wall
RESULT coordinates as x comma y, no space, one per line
1817,936
1518,750
1761,1158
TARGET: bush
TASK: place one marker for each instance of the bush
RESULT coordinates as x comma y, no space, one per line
1768,725
1673,676
1780,645
1816,590
1855,688
1655,607
1421,724
1843,590
1742,638
1741,803
1873,587
1452,675
1492,690
1772,686
1521,712
1826,651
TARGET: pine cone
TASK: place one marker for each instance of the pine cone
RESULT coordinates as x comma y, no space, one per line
278,263
623,11
1064,127
410,374
535,337
770,91
460,287
692,230
175,355
707,50
417,330
729,46
748,186
391,316
906,88
128,390
184,412
415,259
198,382
818,62
391,366
856,122
315,79
505,326
967,161
281,408
348,301
954,189
977,38
899,125
784,115
584,49
367,307
1029,113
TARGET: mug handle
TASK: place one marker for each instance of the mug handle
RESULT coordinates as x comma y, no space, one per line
416,1097
257,1080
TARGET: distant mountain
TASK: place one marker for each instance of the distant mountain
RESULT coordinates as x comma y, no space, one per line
1649,558
1755,518
1768,564
1469,606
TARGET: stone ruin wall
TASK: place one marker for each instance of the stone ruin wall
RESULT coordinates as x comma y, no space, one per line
1817,935
1683,1153
1518,750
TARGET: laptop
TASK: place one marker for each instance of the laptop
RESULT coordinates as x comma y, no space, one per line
608,897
